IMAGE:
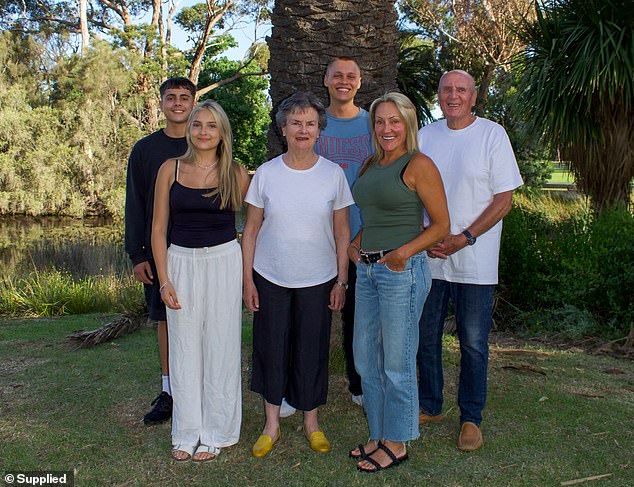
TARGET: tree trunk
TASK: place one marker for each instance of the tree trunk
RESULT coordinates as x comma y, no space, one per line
83,25
214,15
307,34
483,89
156,15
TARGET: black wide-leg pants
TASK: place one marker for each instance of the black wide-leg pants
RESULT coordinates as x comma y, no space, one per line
291,339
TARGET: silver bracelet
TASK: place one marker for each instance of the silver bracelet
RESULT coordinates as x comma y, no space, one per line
164,284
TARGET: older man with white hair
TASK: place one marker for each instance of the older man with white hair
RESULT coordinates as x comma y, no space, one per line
479,171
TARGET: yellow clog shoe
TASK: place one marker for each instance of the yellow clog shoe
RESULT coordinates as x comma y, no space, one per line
264,445
319,442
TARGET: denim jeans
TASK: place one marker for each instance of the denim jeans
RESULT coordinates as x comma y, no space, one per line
473,306
387,312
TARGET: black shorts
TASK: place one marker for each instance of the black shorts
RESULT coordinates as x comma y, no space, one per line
155,305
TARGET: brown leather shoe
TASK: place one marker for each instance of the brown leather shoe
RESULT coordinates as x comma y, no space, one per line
470,438
426,419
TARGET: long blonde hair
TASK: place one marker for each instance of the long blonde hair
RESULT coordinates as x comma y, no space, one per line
407,111
228,170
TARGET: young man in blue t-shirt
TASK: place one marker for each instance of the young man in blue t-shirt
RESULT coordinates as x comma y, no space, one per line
148,154
346,140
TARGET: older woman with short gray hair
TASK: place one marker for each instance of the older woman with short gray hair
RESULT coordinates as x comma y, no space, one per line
295,270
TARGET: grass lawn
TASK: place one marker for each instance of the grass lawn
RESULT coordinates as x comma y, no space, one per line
561,176
552,416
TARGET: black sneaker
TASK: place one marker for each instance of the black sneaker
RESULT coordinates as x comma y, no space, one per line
162,410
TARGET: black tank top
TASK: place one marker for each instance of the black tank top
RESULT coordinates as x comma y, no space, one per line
196,220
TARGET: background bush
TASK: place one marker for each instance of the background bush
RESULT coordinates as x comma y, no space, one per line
565,270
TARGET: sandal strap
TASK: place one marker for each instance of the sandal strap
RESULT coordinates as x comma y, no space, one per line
362,452
377,465
188,452
187,449
390,453
214,450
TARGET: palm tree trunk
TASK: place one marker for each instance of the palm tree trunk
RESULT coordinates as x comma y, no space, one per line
307,34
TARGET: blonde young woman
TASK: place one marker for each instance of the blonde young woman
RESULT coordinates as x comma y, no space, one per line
200,277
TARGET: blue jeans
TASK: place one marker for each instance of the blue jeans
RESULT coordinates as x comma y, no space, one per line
387,311
473,306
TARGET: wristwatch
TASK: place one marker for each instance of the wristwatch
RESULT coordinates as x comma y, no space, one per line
470,238
342,284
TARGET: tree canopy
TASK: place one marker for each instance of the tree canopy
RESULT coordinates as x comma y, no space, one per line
70,112
79,85
578,83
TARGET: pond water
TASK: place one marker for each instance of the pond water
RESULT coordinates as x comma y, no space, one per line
79,247
88,247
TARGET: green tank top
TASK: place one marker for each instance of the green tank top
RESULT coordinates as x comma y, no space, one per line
392,213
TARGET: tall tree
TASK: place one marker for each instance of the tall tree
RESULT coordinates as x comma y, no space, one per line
481,32
307,34
208,24
578,81
202,20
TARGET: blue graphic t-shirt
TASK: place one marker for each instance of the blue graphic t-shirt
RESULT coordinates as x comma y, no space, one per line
347,142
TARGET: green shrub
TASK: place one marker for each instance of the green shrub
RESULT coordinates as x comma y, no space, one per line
564,270
568,320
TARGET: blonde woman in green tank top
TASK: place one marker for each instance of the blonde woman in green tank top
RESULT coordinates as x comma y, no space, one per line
392,277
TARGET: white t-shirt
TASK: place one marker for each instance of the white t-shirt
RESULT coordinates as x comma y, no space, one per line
295,246
475,163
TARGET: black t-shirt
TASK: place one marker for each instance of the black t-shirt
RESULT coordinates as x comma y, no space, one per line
147,156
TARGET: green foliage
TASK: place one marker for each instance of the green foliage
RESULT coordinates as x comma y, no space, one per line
535,172
33,158
246,105
450,53
66,155
68,122
37,16
437,26
578,81
192,19
580,52
564,269
418,74
567,320
20,58
531,153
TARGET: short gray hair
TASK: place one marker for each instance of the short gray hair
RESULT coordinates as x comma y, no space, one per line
298,102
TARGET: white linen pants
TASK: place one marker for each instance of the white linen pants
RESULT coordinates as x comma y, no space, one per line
204,344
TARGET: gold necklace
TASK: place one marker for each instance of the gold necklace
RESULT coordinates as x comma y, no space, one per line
207,167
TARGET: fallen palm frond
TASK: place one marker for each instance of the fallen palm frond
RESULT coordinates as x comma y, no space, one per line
123,325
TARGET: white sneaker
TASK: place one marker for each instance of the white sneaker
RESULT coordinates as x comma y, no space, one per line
358,400
286,409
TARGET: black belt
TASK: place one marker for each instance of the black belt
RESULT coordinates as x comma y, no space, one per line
372,257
